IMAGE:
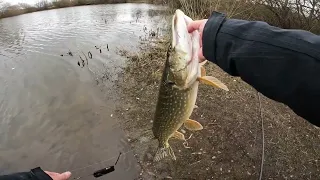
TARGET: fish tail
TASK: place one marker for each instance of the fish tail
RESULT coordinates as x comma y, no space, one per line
163,152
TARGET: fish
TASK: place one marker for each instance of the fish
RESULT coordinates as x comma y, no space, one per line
178,89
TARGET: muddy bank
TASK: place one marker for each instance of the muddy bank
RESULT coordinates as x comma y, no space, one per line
230,145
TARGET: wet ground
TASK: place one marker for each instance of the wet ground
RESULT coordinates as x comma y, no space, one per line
230,145
57,104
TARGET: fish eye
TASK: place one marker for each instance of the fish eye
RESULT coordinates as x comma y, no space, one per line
171,83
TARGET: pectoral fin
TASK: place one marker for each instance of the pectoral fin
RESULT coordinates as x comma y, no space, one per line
193,125
212,81
203,71
203,62
179,135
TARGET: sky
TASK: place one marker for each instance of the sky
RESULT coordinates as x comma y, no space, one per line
22,1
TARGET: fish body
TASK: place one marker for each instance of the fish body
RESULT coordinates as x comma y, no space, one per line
179,86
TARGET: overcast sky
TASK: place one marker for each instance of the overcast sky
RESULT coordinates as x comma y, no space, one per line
22,1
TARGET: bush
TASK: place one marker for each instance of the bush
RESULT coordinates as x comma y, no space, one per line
42,5
294,14
8,10
61,3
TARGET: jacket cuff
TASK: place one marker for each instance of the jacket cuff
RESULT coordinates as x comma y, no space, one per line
40,174
210,32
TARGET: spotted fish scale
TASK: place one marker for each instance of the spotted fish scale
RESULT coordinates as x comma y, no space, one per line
173,108
179,86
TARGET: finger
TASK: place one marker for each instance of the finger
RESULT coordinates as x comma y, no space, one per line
200,40
52,174
65,176
58,176
200,54
194,25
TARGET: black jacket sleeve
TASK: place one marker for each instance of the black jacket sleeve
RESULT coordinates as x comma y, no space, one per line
282,64
34,174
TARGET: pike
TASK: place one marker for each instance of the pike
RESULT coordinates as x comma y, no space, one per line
179,86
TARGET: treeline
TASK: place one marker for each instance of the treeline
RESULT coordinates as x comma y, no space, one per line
289,14
8,10
67,3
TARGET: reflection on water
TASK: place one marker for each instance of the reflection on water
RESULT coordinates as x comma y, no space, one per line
52,114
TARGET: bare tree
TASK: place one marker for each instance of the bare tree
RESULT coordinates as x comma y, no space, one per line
4,7
24,5
43,4
63,3
304,14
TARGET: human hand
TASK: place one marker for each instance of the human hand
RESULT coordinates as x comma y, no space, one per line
58,176
198,25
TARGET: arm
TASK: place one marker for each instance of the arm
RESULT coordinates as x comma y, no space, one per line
284,65
34,174
37,174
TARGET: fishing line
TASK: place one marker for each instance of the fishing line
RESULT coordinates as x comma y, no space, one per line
107,170
100,162
262,129
103,171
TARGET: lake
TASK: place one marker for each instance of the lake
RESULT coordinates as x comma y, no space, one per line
55,110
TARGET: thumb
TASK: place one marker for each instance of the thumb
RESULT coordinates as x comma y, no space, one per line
64,176
194,25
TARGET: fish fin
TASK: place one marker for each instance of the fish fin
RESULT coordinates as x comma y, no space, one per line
193,125
179,135
203,71
163,152
212,81
203,62
195,107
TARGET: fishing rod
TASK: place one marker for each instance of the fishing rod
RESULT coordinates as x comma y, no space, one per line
102,172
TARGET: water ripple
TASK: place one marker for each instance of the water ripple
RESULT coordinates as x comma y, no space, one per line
49,107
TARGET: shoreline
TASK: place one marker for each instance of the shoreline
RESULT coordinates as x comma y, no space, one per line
32,9
230,145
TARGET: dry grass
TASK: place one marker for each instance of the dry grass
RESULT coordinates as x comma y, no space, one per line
203,9
295,14
230,145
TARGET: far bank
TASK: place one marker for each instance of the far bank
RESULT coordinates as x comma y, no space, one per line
9,10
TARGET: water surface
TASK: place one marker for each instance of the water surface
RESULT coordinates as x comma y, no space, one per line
52,112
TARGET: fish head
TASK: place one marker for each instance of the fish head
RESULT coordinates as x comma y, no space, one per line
182,57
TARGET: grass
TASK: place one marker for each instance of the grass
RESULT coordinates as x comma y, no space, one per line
281,13
231,144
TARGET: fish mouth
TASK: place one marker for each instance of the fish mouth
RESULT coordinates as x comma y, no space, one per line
175,34
181,38
184,61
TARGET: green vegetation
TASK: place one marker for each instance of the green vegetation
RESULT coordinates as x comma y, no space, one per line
293,14
8,10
